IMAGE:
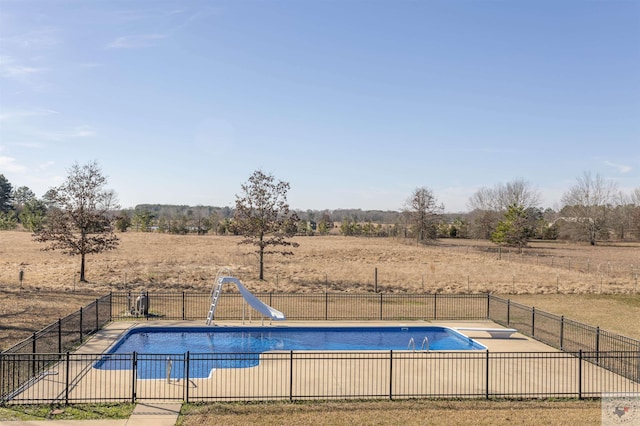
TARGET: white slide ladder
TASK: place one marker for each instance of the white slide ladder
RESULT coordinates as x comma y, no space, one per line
215,294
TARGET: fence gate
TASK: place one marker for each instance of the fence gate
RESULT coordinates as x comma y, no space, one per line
159,377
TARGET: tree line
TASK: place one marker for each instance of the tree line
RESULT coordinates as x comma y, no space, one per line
510,213
81,216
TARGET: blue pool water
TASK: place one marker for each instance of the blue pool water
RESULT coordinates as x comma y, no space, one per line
240,347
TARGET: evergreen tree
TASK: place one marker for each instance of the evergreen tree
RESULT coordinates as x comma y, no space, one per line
6,195
514,229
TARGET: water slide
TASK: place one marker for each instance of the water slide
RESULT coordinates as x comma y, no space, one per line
255,303
252,300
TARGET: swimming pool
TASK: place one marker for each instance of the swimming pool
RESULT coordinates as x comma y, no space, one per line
240,347
179,340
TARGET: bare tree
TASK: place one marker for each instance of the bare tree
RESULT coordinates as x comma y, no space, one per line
516,193
483,199
626,214
621,215
423,211
484,214
587,204
635,197
635,220
78,221
262,216
488,205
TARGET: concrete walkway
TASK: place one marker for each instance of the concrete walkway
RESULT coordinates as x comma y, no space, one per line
144,414
157,414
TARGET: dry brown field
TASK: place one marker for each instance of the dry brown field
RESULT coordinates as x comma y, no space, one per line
557,277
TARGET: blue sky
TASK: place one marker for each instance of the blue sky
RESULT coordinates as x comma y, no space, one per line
354,103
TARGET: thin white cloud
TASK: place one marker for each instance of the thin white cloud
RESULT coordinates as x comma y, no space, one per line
27,75
89,65
46,165
622,168
10,165
30,145
74,133
19,114
82,132
37,39
10,69
490,150
135,41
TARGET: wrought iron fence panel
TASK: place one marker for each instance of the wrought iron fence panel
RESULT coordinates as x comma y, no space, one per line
236,376
499,310
578,336
533,375
520,317
435,374
310,375
546,328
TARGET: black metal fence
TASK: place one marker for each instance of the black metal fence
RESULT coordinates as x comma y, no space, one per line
307,306
58,337
30,370
291,375
69,331
568,335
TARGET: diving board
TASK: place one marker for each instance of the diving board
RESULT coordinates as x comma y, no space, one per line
496,333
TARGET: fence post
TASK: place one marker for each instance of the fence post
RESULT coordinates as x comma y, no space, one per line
81,324
183,306
66,380
562,332
148,304
508,311
488,305
134,374
435,306
638,363
391,375
290,375
597,345
326,306
33,357
97,316
59,336
486,378
533,321
580,374
186,375
381,306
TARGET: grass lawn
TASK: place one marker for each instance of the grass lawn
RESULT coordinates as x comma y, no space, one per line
70,412
411,412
